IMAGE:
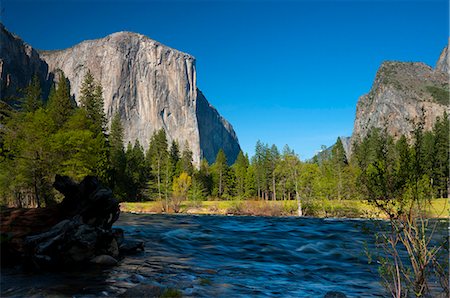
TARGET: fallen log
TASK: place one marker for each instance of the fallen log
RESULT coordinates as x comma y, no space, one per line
76,231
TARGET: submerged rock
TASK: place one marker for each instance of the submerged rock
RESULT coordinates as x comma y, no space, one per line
144,291
104,260
335,294
131,246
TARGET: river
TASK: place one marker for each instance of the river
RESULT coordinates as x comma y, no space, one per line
226,256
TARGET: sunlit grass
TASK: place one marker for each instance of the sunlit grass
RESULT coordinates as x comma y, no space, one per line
439,208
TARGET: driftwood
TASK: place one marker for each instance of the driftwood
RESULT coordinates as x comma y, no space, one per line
77,230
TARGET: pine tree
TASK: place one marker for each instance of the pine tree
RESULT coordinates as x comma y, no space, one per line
156,157
339,163
186,160
204,177
91,99
260,170
117,156
33,95
440,176
240,171
60,104
136,171
220,170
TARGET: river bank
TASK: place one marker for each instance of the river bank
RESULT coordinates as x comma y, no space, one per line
439,208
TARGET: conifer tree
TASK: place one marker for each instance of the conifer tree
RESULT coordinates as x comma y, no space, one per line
136,170
186,160
117,156
220,169
240,171
60,104
91,99
33,95
339,162
156,156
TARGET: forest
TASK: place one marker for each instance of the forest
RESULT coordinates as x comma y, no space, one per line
43,137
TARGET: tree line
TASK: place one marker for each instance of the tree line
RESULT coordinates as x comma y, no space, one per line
49,136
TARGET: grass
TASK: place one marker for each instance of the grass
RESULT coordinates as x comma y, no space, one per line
439,208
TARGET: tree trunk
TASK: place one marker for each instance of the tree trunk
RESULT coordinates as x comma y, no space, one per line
274,189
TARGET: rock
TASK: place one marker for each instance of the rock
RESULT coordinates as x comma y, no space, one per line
84,231
131,246
402,94
118,235
18,63
150,85
442,64
144,291
333,294
104,260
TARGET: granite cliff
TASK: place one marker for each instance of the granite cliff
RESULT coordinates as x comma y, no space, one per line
403,94
150,85
18,63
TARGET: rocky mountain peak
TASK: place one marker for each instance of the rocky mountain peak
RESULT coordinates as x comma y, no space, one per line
442,64
150,85
403,93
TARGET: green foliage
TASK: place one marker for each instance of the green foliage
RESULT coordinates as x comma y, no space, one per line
197,192
440,95
60,104
186,160
32,99
91,100
136,171
158,158
220,174
117,158
240,171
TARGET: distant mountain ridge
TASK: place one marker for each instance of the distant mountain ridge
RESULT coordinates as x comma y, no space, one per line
150,85
402,94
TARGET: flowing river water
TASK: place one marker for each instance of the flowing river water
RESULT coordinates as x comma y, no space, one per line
226,256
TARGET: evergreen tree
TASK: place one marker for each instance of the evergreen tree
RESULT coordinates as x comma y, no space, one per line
440,156
91,99
136,170
60,104
250,182
156,157
33,95
220,170
339,163
260,173
273,157
186,160
34,163
240,171
117,156
204,177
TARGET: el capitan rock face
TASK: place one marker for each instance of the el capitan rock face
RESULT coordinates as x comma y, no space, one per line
151,86
18,63
403,94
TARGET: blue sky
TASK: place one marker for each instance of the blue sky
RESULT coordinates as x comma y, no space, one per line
284,72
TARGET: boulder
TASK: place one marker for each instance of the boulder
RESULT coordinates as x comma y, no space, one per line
76,231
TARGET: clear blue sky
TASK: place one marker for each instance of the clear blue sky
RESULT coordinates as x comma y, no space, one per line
284,72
